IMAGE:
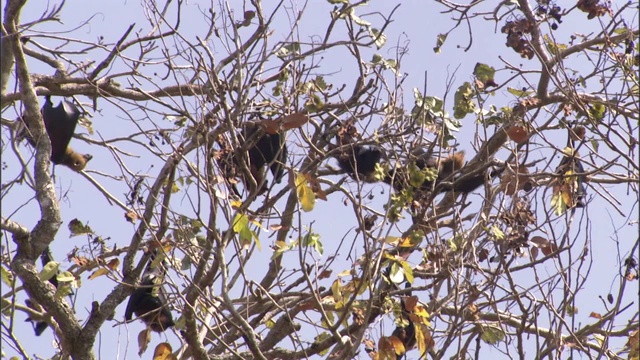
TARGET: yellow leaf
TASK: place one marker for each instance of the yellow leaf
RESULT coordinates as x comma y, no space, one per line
305,194
98,273
392,239
162,352
424,340
7,276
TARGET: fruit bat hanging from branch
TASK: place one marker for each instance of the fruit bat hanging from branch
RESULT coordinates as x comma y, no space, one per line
60,123
148,302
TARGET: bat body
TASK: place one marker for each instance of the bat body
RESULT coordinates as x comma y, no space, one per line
447,178
60,122
149,304
360,161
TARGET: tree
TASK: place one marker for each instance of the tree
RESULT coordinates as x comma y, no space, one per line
324,263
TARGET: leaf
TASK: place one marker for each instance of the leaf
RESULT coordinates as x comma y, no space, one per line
144,337
65,276
306,197
100,272
7,276
440,39
424,340
320,338
49,270
492,335
312,239
595,315
131,216
518,134
519,93
597,111
380,38
241,227
485,74
113,264
336,291
162,351
386,348
397,344
408,271
294,121
76,227
463,101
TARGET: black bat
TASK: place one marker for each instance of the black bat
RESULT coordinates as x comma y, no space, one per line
149,304
60,122
265,149
359,161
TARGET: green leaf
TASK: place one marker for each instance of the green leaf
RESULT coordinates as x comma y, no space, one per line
49,270
485,74
492,335
65,276
313,239
358,20
439,42
380,38
76,227
241,227
7,276
320,338
463,99
597,111
408,271
552,46
519,93
320,83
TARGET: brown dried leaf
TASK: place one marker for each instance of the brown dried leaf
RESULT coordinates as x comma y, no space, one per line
131,216
519,134
294,121
144,338
113,264
595,315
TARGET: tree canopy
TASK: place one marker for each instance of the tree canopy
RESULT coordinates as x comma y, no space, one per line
339,179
